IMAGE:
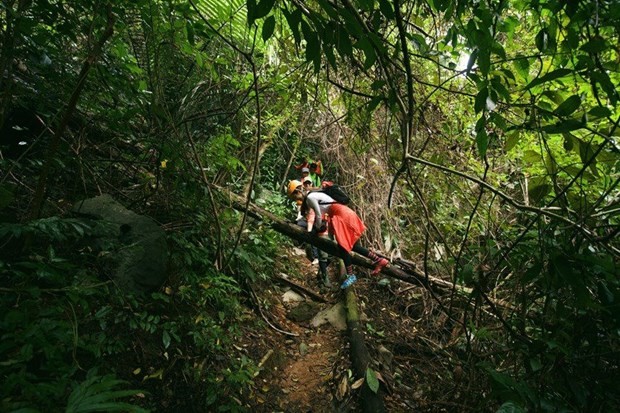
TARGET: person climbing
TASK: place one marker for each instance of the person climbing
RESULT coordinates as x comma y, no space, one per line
308,185
314,174
312,252
305,174
306,162
322,274
345,226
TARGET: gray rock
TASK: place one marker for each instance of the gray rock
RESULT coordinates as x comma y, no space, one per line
335,316
134,245
303,312
292,297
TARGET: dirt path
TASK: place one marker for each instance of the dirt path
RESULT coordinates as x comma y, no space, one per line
306,372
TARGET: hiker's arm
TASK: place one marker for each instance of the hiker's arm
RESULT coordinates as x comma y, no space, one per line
313,204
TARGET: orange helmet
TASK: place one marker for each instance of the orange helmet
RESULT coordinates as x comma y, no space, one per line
292,186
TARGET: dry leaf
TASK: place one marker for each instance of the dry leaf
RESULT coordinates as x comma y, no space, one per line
358,383
342,388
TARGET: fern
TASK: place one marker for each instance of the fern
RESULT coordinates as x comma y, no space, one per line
232,11
99,394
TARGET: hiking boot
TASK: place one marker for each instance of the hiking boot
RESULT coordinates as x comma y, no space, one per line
379,264
351,279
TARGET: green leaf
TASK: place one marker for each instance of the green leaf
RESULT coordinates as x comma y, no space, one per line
262,9
369,52
482,139
595,45
268,27
603,79
542,39
510,407
522,66
556,74
377,84
599,112
344,46
511,140
386,8
538,189
165,338
293,20
564,126
374,102
371,380
531,156
484,61
329,9
569,142
569,106
481,100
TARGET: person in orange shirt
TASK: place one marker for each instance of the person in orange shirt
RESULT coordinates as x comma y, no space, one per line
346,226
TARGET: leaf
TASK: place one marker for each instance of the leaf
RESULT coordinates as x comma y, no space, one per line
371,379
564,126
556,74
511,140
595,45
268,27
484,61
342,388
358,383
569,106
542,39
599,112
369,52
343,44
386,8
293,20
166,339
510,407
538,188
522,66
262,9
481,100
608,86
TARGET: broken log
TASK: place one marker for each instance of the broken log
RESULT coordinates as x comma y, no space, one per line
294,231
301,289
369,401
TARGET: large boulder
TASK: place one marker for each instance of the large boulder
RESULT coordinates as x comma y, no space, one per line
133,245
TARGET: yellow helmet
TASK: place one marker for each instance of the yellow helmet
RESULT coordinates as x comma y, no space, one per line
292,186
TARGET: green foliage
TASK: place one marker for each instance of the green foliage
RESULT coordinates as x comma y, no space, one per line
100,394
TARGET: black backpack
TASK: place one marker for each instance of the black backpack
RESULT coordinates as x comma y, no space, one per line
337,193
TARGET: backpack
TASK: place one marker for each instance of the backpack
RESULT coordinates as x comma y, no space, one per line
337,193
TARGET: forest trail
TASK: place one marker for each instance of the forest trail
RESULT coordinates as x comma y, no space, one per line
307,372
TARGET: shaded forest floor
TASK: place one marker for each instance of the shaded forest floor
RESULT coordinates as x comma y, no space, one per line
308,369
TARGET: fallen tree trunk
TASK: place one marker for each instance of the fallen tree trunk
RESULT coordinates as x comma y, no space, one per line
370,401
294,231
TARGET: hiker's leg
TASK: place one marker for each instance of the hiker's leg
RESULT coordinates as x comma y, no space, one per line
377,260
322,274
348,263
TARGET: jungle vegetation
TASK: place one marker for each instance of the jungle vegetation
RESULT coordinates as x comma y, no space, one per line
480,136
